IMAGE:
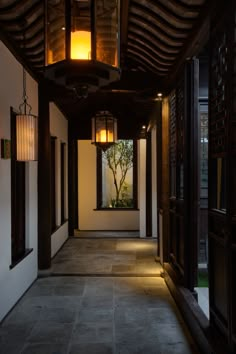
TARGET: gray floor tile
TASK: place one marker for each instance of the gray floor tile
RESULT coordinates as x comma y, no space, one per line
14,347
133,334
93,332
177,348
107,256
51,332
95,315
23,315
18,331
45,349
138,348
129,316
63,314
105,302
91,348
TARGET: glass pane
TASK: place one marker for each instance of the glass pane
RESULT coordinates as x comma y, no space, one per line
55,31
80,30
117,175
204,157
219,185
107,31
173,181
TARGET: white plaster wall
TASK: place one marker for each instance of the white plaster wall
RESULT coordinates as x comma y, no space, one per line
90,219
154,181
59,129
14,282
142,186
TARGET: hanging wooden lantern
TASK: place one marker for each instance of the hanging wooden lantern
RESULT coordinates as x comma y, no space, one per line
104,130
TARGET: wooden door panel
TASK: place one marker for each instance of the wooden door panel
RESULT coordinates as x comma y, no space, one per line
184,190
222,171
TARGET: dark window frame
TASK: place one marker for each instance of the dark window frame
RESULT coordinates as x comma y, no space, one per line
63,219
53,184
18,201
99,181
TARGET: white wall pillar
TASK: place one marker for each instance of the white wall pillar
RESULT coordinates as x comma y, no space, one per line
15,281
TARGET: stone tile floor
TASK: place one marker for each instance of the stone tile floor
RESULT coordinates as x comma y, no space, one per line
97,314
107,256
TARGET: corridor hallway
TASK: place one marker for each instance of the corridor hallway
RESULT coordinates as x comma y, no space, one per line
101,296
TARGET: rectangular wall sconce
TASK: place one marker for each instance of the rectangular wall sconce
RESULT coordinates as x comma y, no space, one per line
5,149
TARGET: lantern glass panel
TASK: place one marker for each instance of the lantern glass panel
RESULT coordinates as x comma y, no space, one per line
105,130
80,29
55,31
107,31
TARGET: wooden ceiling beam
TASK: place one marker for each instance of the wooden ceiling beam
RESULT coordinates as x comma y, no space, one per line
17,53
194,43
124,10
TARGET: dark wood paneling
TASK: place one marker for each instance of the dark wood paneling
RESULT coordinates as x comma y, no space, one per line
17,199
149,185
192,175
184,181
165,177
73,183
62,183
53,184
99,178
222,172
44,181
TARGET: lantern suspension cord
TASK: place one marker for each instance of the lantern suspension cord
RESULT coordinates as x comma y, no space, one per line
24,105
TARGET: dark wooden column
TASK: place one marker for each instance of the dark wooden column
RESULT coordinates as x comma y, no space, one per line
163,127
184,177
149,185
191,174
44,170
159,169
73,181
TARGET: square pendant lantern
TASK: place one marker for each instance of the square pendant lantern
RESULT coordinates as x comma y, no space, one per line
82,41
104,130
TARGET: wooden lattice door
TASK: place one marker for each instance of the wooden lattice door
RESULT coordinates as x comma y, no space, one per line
184,182
222,174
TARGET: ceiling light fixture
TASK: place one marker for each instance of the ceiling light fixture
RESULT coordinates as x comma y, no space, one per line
104,130
82,42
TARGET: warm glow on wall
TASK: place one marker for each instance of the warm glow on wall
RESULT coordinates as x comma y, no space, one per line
81,45
26,137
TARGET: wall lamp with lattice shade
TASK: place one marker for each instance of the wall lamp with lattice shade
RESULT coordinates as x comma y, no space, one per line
26,130
104,130
81,37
